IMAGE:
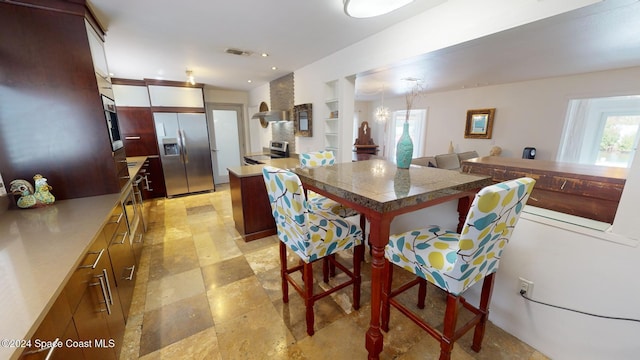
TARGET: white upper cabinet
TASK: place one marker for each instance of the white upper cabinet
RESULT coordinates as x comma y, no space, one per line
97,51
176,96
131,95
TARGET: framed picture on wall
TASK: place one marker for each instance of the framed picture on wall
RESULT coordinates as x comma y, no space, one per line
302,120
479,124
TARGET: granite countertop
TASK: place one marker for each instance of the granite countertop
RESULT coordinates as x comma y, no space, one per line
39,250
256,170
381,186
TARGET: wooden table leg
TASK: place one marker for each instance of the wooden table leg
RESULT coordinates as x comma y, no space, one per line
464,203
379,236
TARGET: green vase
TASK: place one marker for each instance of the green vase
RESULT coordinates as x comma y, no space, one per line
404,149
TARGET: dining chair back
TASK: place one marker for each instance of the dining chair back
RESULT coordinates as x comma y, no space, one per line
317,158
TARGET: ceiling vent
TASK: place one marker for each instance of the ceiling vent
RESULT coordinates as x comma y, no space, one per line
237,52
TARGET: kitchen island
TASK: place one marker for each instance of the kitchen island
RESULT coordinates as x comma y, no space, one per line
251,208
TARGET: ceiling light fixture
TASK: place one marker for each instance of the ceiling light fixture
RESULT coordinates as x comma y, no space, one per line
264,54
371,8
382,112
274,68
190,79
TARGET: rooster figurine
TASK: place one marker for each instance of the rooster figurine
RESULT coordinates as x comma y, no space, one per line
25,190
30,198
42,193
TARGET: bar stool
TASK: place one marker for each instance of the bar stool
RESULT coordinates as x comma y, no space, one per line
454,262
312,235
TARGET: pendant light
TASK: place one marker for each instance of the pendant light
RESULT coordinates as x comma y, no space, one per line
371,8
190,79
382,113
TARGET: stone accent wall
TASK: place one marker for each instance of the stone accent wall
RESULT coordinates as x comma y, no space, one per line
281,93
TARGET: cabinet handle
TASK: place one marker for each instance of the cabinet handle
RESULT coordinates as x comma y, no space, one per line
563,184
146,183
132,269
123,161
124,238
139,241
132,137
103,289
106,280
95,263
51,349
125,177
118,220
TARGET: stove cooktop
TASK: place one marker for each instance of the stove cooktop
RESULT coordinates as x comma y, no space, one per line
258,157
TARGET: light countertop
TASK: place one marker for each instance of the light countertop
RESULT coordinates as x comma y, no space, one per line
135,164
39,250
255,170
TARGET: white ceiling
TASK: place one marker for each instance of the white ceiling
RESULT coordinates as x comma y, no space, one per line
162,38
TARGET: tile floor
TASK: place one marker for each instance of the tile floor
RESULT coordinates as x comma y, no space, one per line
203,293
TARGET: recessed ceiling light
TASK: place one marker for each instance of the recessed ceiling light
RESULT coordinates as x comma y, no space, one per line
274,68
367,8
249,81
264,54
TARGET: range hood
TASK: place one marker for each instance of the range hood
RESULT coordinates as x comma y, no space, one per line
281,115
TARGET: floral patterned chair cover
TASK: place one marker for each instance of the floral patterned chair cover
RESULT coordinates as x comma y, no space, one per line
317,201
310,233
454,262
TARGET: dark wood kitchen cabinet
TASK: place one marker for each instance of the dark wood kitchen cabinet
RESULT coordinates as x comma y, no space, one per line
251,207
51,110
57,327
138,131
116,234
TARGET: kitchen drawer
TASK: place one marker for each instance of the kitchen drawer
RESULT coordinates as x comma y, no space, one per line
85,272
55,328
116,232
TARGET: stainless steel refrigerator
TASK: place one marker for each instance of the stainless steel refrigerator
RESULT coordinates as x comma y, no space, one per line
183,141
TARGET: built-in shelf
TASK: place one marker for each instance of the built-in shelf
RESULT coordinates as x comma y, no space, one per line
332,117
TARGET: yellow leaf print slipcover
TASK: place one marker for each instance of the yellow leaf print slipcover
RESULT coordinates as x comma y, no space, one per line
455,261
310,233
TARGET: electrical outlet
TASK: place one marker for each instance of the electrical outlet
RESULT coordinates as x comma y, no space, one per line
526,286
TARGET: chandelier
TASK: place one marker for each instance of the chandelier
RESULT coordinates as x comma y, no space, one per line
381,113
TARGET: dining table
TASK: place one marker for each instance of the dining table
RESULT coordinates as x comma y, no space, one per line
380,191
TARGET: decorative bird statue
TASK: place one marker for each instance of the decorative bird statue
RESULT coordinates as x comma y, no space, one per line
42,193
23,188
30,198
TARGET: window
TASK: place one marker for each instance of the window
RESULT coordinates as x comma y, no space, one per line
601,131
417,131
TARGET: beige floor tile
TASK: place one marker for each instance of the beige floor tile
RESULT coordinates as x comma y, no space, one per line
173,322
172,257
237,299
264,259
225,272
201,346
256,335
214,248
174,288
